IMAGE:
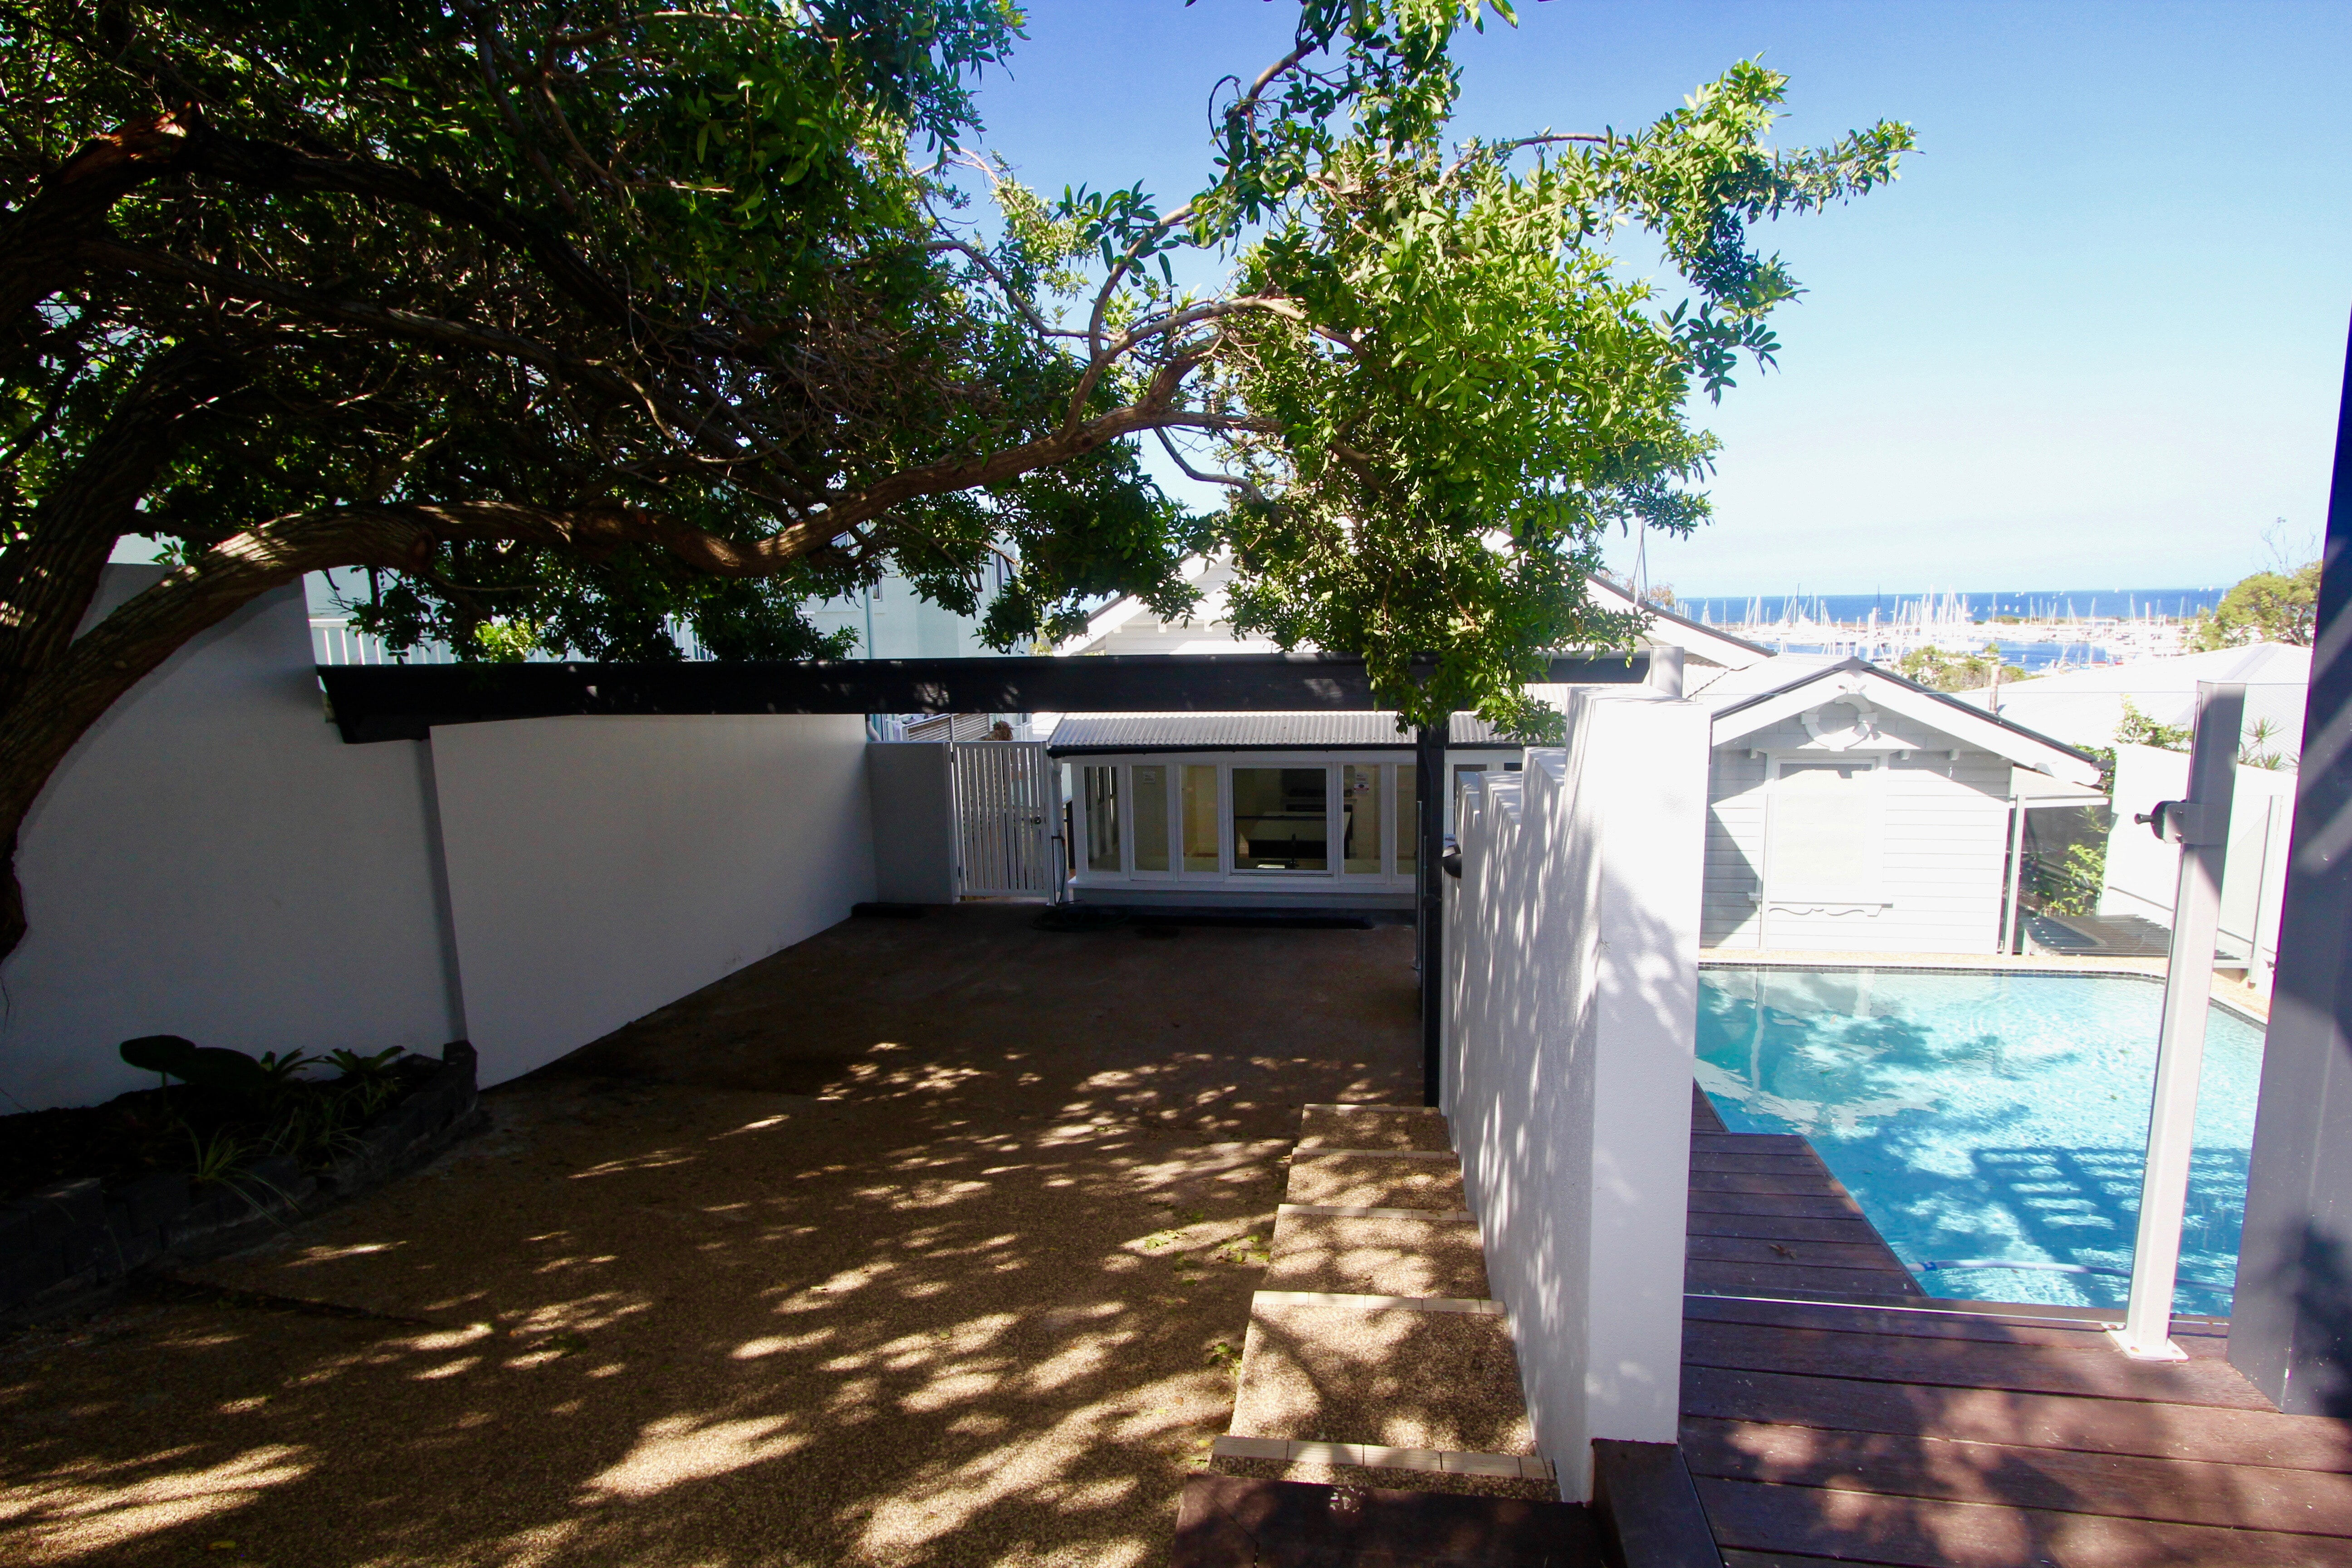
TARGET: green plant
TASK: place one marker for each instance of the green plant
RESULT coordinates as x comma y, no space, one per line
2073,884
2137,729
217,1158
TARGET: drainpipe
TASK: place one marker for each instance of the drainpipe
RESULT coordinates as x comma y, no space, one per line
1429,796
2201,826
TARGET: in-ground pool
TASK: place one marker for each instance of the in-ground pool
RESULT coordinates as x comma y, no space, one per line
1988,1117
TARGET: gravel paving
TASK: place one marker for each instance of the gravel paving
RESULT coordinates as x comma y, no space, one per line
922,1243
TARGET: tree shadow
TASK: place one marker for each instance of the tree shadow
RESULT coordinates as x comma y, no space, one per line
963,1306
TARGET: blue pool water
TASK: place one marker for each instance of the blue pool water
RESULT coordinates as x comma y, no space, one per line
1988,1117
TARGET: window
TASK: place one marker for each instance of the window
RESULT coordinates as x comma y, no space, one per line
1100,787
1359,817
1408,821
1150,816
1281,819
1201,818
1822,841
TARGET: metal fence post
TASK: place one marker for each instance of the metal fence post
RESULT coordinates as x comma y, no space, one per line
2201,826
1429,786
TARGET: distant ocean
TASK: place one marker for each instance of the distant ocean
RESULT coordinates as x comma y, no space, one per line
2089,603
1854,609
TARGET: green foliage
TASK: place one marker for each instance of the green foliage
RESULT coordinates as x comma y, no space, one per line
2137,729
702,266
2073,886
1932,667
1430,450
2269,607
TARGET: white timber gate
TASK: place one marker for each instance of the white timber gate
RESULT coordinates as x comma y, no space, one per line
1008,811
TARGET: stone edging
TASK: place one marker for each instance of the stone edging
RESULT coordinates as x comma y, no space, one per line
58,1247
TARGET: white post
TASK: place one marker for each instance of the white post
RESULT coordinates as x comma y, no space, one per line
2016,870
2201,826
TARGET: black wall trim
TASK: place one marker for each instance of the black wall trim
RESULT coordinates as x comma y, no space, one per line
404,701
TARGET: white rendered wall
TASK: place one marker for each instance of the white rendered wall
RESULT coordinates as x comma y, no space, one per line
213,861
1573,970
601,867
1944,847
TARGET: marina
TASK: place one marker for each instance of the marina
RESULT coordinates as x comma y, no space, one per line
2041,633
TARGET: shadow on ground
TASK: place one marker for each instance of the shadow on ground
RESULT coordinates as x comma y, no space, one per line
924,1243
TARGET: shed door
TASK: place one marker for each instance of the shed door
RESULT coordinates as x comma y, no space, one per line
1008,819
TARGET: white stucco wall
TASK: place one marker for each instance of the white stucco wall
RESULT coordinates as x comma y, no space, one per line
1572,965
213,861
601,867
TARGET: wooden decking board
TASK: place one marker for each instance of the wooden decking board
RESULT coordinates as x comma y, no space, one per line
1831,1412
1921,1532
1796,1205
2179,1491
2090,1374
1928,1323
2024,1420
1781,1252
1826,1282
1791,1229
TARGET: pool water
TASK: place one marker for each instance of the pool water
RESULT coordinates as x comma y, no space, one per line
1988,1117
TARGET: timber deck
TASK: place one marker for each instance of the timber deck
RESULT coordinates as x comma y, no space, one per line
1832,1413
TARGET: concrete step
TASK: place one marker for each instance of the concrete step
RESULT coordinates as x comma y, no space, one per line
1390,1371
1393,1252
1398,1470
1397,1180
1373,1127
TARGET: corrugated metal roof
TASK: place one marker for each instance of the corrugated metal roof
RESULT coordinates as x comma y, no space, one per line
1250,732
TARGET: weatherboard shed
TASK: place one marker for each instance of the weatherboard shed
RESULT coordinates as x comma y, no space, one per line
1851,810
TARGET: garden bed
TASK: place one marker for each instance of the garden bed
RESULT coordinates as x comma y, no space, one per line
89,1194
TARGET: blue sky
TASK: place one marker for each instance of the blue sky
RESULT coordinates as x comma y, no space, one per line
2092,337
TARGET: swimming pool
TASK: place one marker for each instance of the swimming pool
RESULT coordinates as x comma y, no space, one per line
1988,1117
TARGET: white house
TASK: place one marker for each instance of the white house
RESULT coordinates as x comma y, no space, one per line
1288,810
1849,809
2083,706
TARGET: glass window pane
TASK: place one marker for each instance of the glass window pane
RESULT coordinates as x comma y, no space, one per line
1199,818
1360,806
1281,821
1408,826
1101,788
1152,816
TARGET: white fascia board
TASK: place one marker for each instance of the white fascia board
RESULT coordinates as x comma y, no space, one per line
1956,720
1674,632
1120,611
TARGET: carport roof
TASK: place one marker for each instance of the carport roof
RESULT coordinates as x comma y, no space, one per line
1096,733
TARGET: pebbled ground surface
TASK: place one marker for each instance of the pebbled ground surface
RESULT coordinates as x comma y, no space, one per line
925,1242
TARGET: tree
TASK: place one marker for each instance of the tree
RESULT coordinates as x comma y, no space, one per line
2269,607
1932,667
572,323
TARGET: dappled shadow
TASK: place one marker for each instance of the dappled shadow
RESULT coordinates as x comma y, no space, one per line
975,1305
1899,1472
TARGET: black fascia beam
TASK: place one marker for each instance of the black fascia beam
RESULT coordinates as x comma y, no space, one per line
404,701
